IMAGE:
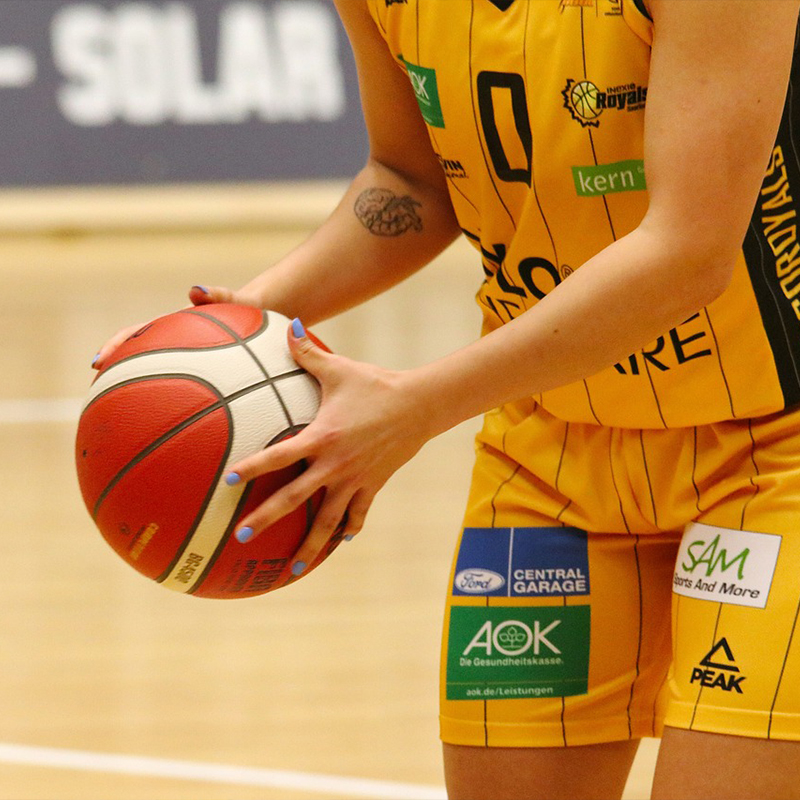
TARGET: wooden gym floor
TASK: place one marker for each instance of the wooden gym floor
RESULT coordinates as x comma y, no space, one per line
112,688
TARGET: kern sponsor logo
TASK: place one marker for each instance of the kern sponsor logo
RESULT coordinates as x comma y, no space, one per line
726,566
423,81
718,669
522,562
586,102
504,652
622,176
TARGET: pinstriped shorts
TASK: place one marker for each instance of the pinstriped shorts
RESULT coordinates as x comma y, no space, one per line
610,581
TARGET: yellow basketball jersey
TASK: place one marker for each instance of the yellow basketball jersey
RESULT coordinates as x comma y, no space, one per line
536,109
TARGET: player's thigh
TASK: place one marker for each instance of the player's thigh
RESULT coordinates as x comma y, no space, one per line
589,772
736,666
553,637
693,765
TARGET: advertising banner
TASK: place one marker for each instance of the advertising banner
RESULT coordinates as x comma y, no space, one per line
149,92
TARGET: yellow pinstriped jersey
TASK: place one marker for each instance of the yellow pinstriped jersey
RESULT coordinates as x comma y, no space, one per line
535,109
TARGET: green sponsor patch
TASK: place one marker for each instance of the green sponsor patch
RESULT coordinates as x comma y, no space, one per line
427,91
510,653
623,176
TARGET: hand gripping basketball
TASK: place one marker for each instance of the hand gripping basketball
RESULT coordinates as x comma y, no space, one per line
172,408
367,427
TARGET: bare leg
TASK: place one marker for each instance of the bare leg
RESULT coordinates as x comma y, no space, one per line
710,766
592,772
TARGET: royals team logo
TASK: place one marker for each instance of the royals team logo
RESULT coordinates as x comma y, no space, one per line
585,101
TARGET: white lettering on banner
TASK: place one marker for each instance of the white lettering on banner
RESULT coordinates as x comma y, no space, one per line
512,637
140,63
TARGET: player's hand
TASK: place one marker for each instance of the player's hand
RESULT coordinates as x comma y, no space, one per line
367,427
199,295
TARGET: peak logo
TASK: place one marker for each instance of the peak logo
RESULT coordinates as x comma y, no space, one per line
585,101
718,669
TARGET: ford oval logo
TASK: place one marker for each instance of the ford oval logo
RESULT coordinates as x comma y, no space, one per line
479,581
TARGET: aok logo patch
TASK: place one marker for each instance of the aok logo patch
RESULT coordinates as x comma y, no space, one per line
426,89
505,652
726,566
718,669
522,562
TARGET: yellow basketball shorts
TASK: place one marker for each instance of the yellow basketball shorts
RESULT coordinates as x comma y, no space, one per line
610,581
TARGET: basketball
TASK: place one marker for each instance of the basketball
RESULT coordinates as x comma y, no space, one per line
176,405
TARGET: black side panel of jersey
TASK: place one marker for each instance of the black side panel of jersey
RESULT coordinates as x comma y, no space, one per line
771,247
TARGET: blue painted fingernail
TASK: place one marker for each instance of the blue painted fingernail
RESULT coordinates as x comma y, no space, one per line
201,288
298,568
95,359
232,478
297,329
244,535
349,537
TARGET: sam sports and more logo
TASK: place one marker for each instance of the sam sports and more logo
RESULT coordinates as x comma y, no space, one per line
726,566
586,102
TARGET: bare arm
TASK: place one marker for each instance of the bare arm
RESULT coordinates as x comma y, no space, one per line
394,218
396,215
718,82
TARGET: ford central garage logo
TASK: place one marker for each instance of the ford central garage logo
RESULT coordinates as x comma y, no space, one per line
479,581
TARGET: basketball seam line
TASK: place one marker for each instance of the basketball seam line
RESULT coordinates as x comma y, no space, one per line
248,350
154,445
238,340
229,530
187,540
223,402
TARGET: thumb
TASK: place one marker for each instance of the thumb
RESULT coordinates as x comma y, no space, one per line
204,295
308,351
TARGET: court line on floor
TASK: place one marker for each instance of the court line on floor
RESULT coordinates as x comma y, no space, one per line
145,766
56,409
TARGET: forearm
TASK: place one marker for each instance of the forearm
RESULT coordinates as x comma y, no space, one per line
369,243
616,304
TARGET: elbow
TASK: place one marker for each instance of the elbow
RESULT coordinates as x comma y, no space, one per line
700,262
713,277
